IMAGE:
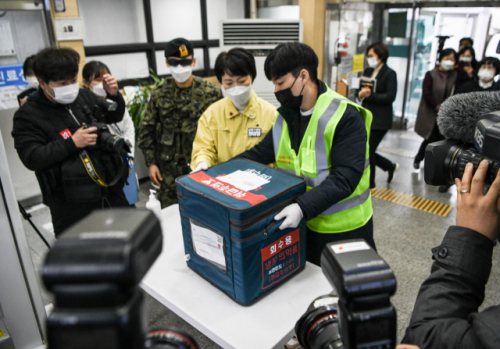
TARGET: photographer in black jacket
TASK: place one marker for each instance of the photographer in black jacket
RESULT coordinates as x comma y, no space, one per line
446,311
49,133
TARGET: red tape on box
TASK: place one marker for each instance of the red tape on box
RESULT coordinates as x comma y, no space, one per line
226,189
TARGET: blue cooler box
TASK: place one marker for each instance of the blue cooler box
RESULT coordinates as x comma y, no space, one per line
229,230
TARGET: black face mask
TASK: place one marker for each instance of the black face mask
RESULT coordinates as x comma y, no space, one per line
287,99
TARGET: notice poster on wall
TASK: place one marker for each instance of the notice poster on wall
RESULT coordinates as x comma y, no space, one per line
6,40
12,83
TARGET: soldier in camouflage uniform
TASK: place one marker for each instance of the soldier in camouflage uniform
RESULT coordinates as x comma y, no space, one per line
169,125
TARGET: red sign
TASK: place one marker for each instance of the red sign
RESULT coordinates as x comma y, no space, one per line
280,259
65,134
226,189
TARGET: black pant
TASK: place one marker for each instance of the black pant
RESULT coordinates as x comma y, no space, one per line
434,137
317,241
65,214
376,137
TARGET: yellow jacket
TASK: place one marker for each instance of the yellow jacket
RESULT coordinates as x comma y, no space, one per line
223,132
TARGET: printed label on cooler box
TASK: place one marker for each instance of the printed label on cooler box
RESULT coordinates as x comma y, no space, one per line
280,259
209,245
226,188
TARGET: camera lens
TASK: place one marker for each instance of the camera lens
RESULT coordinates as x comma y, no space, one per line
169,339
318,328
446,160
111,142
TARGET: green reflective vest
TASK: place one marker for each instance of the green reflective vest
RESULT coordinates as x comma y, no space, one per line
313,163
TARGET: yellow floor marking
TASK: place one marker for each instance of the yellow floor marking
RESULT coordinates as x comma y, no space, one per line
432,207
406,200
442,210
386,195
425,207
422,204
401,198
393,195
414,203
382,192
437,208
396,197
447,211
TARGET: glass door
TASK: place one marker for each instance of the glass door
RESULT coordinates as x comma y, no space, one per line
421,61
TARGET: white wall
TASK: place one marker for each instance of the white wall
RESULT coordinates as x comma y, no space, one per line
29,33
176,18
126,65
112,22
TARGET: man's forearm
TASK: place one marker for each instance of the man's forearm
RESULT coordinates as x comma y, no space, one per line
452,292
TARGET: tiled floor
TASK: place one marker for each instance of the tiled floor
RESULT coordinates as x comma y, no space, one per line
404,238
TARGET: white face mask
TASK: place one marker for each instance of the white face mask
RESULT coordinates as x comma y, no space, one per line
99,90
465,59
181,73
372,62
65,94
239,95
485,75
32,81
447,65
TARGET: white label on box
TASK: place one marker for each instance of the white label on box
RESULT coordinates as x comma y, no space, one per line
208,244
350,247
244,180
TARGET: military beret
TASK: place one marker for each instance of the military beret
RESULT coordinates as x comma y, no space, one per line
179,47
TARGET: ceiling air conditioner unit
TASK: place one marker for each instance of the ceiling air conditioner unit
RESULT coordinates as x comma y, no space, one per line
260,37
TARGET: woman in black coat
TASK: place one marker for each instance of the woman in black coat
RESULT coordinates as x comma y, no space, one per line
380,104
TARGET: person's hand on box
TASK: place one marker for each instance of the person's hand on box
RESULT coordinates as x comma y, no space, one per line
292,214
202,166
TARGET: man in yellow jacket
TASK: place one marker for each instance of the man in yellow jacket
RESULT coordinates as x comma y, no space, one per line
237,122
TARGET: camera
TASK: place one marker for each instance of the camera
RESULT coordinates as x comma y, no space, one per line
94,270
105,139
358,313
446,160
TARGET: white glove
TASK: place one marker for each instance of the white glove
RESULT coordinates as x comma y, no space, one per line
292,214
202,166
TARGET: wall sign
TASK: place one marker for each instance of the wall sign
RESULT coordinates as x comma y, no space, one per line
6,40
69,28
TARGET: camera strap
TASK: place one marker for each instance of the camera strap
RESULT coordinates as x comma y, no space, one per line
89,166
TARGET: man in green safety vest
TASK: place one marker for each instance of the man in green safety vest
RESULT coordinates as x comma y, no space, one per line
322,137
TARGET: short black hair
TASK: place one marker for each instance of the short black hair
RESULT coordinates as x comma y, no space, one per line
468,39
490,60
465,49
235,62
447,52
291,57
94,70
54,64
28,66
381,51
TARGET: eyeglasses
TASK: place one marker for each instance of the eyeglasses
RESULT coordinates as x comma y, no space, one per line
176,62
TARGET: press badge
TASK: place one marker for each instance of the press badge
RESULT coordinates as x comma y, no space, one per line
254,132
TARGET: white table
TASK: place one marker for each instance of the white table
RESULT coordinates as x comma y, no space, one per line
269,323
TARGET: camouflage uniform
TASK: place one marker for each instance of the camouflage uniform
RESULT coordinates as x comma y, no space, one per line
169,128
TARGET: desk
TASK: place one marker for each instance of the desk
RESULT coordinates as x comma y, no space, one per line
269,323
